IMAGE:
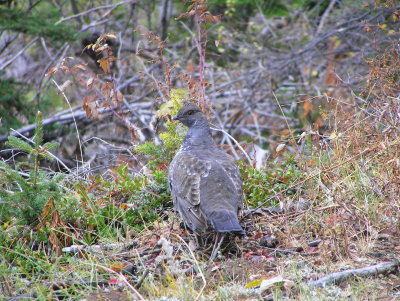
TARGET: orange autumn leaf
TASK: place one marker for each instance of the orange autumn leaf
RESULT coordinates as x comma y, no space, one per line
118,267
47,208
104,64
307,107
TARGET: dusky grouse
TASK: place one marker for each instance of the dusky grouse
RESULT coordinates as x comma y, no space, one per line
205,182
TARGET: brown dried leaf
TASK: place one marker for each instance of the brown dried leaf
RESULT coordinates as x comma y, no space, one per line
101,48
79,66
280,149
209,18
367,29
86,105
190,7
47,208
52,71
65,85
104,64
106,89
307,107
117,97
89,46
181,16
202,8
58,239
64,68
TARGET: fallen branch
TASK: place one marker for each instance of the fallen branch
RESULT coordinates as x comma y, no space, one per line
66,118
338,277
98,248
140,281
291,251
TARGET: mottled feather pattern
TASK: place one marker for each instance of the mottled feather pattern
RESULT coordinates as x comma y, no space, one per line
232,171
205,182
188,170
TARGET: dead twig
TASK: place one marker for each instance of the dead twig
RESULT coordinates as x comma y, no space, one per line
338,277
140,281
94,9
97,248
2,67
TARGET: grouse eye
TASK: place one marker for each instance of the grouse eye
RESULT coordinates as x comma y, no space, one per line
190,113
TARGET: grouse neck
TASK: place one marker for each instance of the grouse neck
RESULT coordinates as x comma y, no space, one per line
198,138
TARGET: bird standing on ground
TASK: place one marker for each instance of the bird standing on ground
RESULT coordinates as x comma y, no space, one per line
204,181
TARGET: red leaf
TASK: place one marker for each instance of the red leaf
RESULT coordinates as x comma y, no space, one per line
113,281
248,254
258,235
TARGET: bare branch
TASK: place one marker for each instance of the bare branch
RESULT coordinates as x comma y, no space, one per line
94,9
2,67
338,277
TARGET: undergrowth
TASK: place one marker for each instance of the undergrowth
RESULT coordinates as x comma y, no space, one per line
26,188
347,182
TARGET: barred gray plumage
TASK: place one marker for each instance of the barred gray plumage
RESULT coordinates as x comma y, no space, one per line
204,181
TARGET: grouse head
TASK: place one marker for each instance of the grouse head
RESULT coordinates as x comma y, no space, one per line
191,115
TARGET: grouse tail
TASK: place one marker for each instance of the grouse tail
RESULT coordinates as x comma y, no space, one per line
225,221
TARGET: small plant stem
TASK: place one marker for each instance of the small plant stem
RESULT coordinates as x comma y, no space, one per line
201,51
73,116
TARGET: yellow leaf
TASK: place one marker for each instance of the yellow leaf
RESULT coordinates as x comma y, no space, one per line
104,64
110,35
254,283
383,26
337,43
178,94
333,136
172,106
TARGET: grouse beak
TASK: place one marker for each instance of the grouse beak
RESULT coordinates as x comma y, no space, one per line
175,117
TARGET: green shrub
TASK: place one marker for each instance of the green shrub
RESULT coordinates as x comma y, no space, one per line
260,184
25,194
13,106
161,155
40,23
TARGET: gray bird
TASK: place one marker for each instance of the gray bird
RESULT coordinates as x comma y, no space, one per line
204,181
